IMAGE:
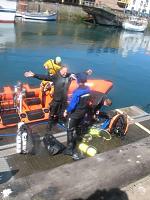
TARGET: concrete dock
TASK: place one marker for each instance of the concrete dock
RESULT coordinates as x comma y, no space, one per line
120,164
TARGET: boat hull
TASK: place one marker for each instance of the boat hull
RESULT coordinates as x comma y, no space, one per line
7,11
131,27
38,17
35,105
102,16
7,16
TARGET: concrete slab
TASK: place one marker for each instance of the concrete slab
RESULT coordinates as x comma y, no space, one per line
134,112
139,190
112,169
24,169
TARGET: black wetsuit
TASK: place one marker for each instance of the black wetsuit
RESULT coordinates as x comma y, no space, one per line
77,109
59,102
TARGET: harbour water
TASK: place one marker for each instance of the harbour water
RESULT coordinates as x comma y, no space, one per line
114,54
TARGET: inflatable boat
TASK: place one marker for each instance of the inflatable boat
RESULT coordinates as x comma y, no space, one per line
29,104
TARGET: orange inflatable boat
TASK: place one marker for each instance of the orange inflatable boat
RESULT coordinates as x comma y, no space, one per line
30,105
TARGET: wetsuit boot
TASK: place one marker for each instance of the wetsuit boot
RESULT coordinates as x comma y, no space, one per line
70,144
51,123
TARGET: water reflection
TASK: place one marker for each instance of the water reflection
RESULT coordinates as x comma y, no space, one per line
99,39
7,36
60,33
133,41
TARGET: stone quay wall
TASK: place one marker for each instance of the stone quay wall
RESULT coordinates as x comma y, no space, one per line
65,12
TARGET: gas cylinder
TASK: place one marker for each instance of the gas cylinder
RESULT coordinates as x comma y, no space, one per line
18,143
19,138
24,141
87,149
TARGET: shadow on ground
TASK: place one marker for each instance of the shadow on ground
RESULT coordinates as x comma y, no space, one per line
112,194
6,175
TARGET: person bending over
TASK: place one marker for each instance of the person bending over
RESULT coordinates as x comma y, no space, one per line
76,111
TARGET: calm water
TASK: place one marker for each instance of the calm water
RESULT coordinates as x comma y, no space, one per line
120,56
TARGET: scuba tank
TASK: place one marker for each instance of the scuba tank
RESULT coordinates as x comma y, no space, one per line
18,143
87,149
24,143
19,138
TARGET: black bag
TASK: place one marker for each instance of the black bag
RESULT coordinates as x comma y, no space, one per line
52,145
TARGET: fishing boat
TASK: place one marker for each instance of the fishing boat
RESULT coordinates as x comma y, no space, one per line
39,16
29,104
36,15
137,12
7,11
135,24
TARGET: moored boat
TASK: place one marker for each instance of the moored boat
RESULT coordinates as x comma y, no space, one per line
135,24
28,104
40,16
7,11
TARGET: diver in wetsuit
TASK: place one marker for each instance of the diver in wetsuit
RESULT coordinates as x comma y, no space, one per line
61,80
76,112
52,66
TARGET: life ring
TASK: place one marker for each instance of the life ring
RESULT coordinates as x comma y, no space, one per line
118,125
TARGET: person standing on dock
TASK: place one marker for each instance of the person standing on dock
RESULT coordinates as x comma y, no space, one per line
76,111
61,80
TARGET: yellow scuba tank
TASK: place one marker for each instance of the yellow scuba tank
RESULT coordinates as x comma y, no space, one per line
87,149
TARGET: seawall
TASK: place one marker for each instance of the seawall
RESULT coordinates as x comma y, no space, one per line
65,12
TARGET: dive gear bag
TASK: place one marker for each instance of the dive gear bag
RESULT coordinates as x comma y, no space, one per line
52,145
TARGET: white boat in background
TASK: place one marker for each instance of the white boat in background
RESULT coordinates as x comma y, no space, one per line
135,24
40,16
7,11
